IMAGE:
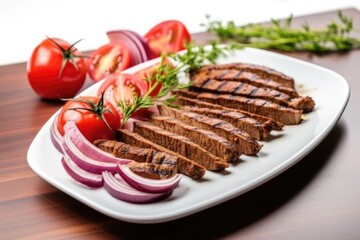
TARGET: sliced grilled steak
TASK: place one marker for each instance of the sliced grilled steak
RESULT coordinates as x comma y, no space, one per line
151,170
246,90
179,144
185,165
254,128
156,165
210,141
268,123
261,71
244,143
243,77
285,115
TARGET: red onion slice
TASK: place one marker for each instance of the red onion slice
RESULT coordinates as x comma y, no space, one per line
146,184
87,148
119,189
119,36
140,42
56,137
131,38
81,176
84,162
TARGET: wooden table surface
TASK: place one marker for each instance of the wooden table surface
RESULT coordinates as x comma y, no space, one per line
318,198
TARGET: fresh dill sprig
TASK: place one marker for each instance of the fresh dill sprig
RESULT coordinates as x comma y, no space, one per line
281,35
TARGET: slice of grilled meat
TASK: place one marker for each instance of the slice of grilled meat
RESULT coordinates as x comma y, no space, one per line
180,144
242,140
254,128
209,140
268,123
246,90
243,77
185,165
157,165
285,115
261,71
151,170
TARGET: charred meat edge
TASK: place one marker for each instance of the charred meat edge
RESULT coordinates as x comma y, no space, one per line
285,115
185,165
154,164
261,71
180,144
268,123
241,140
209,140
239,120
246,90
243,77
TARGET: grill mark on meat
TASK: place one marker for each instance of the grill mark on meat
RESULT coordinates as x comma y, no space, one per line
254,128
246,90
261,71
210,141
154,166
268,123
223,85
204,83
241,140
238,87
244,77
237,74
185,165
224,72
179,144
285,115
253,92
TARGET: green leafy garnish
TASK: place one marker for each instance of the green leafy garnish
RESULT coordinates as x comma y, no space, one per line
282,36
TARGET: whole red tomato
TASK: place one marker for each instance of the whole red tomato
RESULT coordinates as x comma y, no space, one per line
95,118
167,37
56,69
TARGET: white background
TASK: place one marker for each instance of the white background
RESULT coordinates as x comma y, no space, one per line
24,24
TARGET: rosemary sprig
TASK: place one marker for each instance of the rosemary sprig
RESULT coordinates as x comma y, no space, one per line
282,36
166,75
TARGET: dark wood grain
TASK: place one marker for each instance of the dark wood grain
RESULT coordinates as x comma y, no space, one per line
318,198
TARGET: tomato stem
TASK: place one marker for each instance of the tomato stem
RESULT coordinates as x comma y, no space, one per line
98,108
68,55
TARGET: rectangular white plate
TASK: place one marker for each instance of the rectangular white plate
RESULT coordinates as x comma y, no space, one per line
330,92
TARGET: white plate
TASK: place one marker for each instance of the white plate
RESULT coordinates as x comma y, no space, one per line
330,92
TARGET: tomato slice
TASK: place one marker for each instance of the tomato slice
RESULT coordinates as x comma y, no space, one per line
167,37
108,59
122,87
146,73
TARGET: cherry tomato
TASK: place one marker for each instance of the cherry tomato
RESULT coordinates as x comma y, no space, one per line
108,59
167,37
56,69
90,121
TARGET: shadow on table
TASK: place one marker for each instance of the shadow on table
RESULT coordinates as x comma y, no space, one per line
233,215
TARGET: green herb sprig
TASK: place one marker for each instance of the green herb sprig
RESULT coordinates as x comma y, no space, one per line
166,76
284,37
